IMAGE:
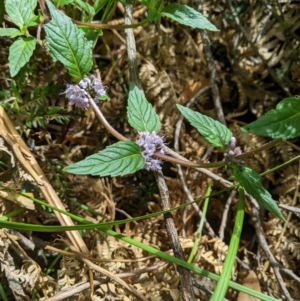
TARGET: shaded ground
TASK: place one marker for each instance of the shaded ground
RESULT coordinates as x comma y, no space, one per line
256,55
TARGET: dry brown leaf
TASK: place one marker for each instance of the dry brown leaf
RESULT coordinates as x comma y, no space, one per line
191,90
17,198
251,281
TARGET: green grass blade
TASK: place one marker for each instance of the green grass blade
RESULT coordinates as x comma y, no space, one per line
222,286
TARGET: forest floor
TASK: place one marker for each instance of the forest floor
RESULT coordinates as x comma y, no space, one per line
250,65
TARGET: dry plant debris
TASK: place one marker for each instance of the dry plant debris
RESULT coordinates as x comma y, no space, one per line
257,63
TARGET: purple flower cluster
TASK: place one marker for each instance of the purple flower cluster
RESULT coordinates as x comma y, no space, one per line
78,95
94,83
232,150
151,143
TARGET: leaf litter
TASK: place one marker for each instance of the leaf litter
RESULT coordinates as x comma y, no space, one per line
171,62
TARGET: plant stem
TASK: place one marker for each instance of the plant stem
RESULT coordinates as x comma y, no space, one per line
280,166
104,122
107,26
260,149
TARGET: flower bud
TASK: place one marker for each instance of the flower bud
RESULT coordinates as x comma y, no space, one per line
232,143
231,153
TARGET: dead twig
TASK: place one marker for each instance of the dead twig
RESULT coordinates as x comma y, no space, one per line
191,199
186,279
225,214
292,209
131,46
185,275
28,162
204,171
179,168
80,287
213,77
103,271
264,245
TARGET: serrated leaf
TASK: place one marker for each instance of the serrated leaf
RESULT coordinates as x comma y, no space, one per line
188,16
20,11
32,4
20,53
119,159
10,32
251,182
153,14
214,132
86,7
283,122
34,21
141,115
68,44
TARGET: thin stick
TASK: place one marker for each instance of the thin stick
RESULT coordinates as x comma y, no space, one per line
264,245
186,279
225,214
185,275
191,199
131,46
213,77
80,287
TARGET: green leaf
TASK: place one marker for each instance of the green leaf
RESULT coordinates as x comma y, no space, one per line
214,132
34,21
251,181
10,32
119,159
283,122
153,14
20,53
222,285
20,11
68,44
92,35
62,2
86,7
186,15
141,115
155,10
31,4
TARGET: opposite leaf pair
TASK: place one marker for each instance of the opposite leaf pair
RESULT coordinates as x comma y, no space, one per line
126,157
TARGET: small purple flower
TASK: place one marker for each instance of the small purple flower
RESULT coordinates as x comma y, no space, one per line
77,96
232,143
151,143
232,149
230,153
85,83
99,89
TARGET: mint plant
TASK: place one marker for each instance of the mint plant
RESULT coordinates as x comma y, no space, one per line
22,14
70,45
125,157
280,123
183,14
66,42
218,135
